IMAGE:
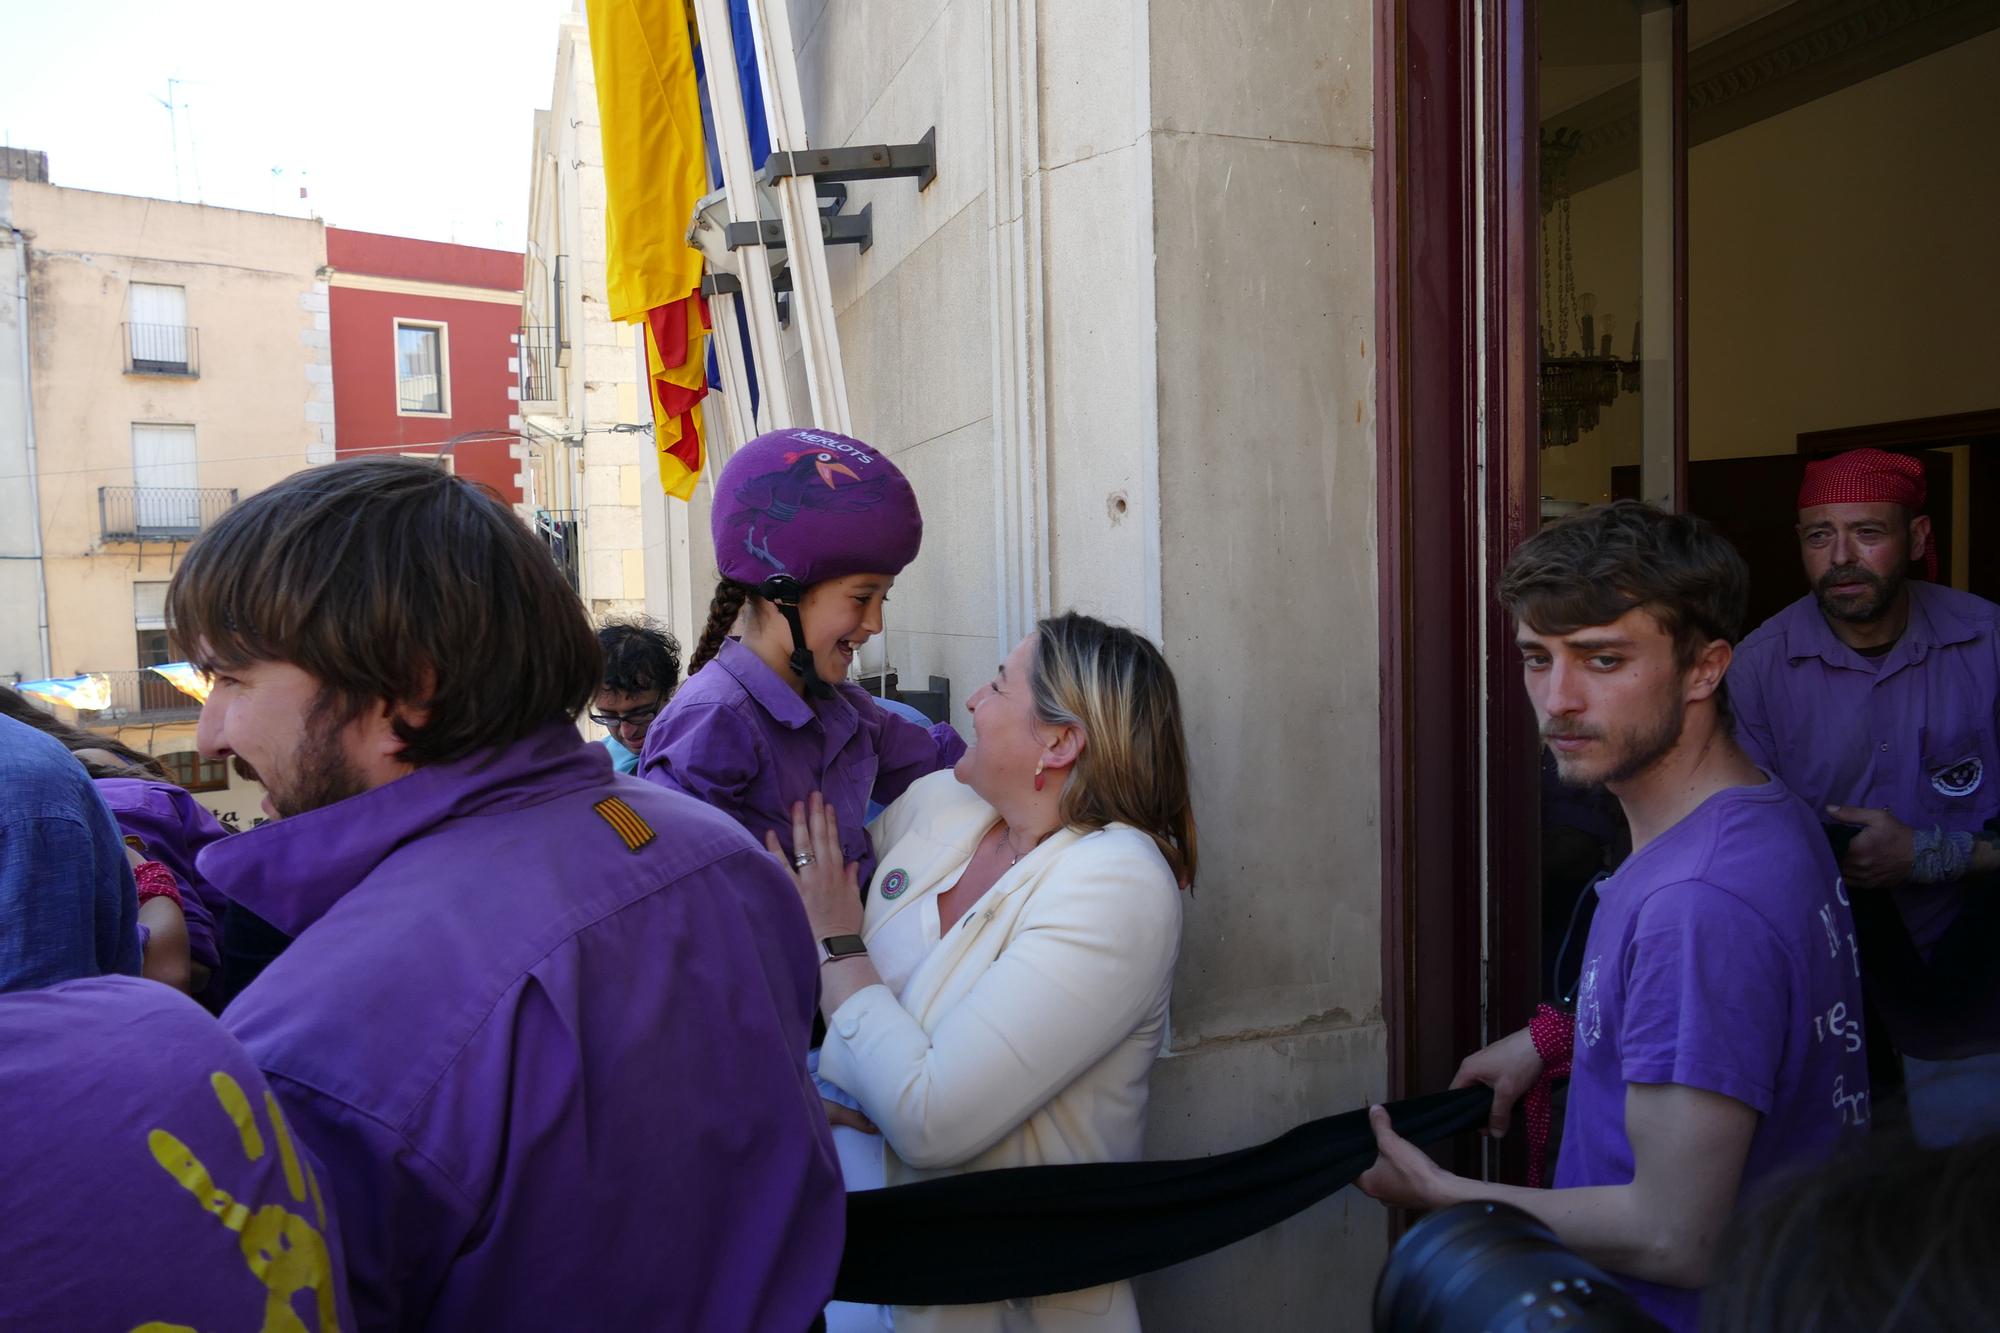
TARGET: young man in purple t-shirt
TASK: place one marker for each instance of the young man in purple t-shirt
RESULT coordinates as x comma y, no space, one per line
1717,1035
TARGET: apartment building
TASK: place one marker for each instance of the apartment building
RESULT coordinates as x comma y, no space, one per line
424,352
161,361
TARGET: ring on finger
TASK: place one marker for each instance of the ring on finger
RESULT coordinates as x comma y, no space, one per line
802,860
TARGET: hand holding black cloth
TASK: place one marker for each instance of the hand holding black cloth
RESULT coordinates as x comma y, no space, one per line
1038,1230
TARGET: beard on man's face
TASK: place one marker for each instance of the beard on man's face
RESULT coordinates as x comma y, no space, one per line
319,772
1623,752
1877,593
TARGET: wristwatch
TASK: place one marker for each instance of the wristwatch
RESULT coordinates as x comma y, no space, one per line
836,947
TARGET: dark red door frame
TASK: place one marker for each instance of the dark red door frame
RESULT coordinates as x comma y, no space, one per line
1428,497
1453,809
1440,753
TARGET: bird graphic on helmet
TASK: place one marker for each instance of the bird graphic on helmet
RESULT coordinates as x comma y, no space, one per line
809,480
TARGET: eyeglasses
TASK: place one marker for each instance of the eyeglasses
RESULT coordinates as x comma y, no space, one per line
637,717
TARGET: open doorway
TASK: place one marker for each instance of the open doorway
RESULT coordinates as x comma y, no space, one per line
1766,232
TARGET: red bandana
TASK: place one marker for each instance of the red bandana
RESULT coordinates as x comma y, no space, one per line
1868,476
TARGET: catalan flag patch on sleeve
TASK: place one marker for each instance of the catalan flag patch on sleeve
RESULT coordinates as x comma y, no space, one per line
625,822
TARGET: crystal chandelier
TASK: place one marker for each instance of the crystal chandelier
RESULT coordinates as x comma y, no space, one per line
1576,385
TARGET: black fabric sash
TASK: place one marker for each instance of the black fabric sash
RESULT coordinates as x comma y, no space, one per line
1038,1230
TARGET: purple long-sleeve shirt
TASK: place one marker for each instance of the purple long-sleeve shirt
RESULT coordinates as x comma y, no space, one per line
148,1179
1916,731
173,828
737,737
546,1026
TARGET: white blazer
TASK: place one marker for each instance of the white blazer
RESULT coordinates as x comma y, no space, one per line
1025,1038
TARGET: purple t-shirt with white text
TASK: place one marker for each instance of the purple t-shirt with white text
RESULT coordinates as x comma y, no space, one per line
1722,958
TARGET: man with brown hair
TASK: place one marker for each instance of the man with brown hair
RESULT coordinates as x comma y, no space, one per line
545,1026
1717,1034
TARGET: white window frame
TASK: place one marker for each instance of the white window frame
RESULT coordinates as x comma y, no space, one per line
187,510
443,331
149,612
170,343
432,456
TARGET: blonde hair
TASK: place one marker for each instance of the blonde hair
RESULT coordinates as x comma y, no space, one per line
1117,688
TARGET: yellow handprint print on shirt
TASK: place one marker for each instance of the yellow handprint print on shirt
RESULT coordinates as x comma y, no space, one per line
284,1250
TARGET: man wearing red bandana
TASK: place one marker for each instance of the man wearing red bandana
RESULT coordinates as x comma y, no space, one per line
1876,698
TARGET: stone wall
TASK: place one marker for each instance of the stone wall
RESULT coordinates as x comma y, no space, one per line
1123,346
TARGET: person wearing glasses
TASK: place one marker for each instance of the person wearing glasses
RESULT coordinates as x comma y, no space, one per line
642,666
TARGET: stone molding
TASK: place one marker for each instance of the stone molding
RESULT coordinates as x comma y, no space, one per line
1784,60
1019,352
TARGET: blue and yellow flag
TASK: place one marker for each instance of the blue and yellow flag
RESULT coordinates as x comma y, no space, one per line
84,693
185,678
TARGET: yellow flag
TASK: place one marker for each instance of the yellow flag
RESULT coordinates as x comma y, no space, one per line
655,166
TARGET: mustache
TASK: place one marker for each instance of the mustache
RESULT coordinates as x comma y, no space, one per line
1849,574
1571,734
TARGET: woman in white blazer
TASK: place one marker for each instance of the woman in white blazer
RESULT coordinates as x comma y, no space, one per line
1007,992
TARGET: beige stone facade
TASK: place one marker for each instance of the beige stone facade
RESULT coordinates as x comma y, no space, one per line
146,431
587,453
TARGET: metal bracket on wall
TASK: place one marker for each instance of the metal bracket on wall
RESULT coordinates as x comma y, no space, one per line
728,284
869,162
856,229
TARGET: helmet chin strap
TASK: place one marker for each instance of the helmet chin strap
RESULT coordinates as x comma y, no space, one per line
783,591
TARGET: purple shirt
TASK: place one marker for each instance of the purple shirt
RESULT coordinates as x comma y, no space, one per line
145,1162
547,1028
173,827
1916,732
738,738
1721,957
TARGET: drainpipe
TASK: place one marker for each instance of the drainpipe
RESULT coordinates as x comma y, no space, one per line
28,425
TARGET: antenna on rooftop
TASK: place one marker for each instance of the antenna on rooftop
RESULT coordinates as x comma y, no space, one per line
173,131
175,106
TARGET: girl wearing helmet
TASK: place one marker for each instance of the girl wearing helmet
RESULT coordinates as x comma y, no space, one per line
811,530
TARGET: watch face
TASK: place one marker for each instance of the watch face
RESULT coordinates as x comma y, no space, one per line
843,946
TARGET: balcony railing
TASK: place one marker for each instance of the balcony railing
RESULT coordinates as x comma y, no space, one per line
141,696
161,349
558,530
538,363
159,513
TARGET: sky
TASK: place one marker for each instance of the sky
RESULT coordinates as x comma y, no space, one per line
411,117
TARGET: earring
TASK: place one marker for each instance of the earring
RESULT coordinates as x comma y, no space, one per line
1038,777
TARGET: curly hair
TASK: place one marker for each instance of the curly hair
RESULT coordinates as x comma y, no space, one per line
640,657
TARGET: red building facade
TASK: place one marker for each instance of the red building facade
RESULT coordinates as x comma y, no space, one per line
423,340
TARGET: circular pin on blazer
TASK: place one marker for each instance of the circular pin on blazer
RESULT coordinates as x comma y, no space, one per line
894,883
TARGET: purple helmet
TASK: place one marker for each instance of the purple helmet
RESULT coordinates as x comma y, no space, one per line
812,505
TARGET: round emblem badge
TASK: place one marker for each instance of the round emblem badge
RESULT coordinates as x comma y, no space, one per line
1959,779
894,883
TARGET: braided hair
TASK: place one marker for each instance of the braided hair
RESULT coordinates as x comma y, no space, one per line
730,595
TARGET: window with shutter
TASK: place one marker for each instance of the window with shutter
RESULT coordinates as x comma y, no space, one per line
164,474
158,329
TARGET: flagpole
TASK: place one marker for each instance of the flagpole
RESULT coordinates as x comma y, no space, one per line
753,269
798,205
